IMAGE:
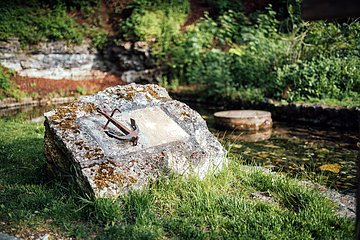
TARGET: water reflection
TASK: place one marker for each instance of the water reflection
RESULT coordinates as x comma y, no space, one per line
250,136
327,156
32,113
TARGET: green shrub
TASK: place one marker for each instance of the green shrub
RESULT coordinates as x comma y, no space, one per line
32,21
7,87
255,52
320,78
99,37
31,24
330,39
187,50
5,83
153,19
214,69
313,61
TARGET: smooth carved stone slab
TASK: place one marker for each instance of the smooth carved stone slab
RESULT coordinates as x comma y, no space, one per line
172,138
249,120
156,128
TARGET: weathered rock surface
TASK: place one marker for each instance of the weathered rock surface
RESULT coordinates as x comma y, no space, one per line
133,62
143,76
172,138
59,60
54,60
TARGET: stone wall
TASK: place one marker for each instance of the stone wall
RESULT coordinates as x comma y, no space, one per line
133,62
313,114
54,60
60,60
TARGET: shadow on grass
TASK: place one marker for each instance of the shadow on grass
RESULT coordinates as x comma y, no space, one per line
30,197
22,161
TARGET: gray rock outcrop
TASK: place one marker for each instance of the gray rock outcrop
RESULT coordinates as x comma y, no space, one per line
173,138
133,62
61,60
53,60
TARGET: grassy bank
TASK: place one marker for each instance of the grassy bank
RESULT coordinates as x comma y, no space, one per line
224,205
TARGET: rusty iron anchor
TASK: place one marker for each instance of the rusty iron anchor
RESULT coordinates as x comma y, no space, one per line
129,135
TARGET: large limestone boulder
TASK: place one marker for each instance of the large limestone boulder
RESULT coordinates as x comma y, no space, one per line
172,138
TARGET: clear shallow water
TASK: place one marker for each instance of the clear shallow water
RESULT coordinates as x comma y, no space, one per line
32,113
327,156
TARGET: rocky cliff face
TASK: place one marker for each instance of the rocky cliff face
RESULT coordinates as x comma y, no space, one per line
60,60
133,62
54,60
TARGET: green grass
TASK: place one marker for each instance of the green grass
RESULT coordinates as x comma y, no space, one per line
35,21
350,101
175,208
31,24
29,198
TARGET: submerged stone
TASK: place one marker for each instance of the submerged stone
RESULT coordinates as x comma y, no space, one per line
249,120
172,138
335,167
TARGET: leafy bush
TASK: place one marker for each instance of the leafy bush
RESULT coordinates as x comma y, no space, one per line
153,19
332,39
187,50
232,53
254,52
99,37
320,78
32,24
214,69
35,20
7,87
5,83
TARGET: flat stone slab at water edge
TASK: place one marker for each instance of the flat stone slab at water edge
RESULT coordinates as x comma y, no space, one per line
248,120
173,138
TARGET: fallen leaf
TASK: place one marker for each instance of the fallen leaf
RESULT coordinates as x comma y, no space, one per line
323,150
236,145
264,155
270,146
335,167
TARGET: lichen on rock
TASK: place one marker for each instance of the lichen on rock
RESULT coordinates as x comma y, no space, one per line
172,138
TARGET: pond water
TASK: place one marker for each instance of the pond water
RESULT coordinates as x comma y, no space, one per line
32,113
327,156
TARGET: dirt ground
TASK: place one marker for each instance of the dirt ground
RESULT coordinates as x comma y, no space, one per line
43,87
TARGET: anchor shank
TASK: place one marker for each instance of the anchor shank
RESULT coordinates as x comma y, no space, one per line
131,135
122,127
